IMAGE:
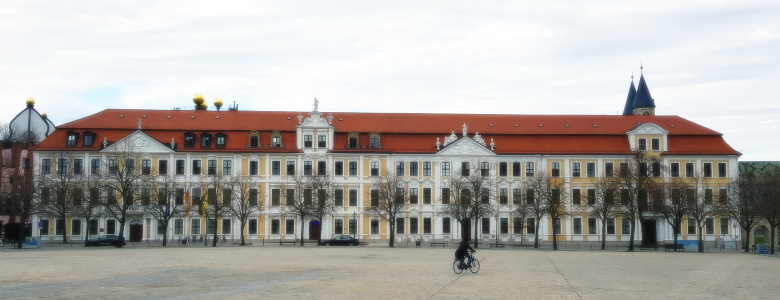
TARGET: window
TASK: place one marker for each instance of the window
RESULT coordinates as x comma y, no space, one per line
195,226
353,197
221,140
503,196
626,225
276,140
576,196
89,139
445,225
72,138
179,196
321,141
610,225
556,169
413,226
723,196
504,224
517,225
45,195
196,197
516,169
609,169
353,168
289,195
399,168
276,196
445,168
338,197
591,225
374,226
426,225
252,197
484,169
531,226
146,166
94,166
426,168
707,169
655,144
575,169
577,225
373,142
689,170
656,169
307,167
92,227
413,196
146,196
374,197
352,141
290,167
353,226
322,167
196,165
78,165
110,226
399,225
254,140
179,167
413,168
289,226
724,225
178,226
253,167
275,226
252,226
212,167
674,169
708,196
374,168
189,140
338,168
721,169
709,226
591,169
529,196
484,196
445,195
205,140
227,196
464,168
130,165
162,167
623,169
529,169
307,141
517,195
426,195
62,166
642,144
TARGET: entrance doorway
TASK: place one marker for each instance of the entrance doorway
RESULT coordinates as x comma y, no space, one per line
314,230
649,236
136,231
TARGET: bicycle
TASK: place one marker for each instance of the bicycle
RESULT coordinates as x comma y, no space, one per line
459,265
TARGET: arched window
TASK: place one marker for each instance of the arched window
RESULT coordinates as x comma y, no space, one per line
205,140
189,140
221,140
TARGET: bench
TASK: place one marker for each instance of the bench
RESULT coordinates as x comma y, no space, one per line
648,246
443,244
668,247
496,245
282,242
520,245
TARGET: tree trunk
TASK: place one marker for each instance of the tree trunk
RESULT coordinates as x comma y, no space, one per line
64,235
536,235
243,223
746,241
392,234
603,234
676,231
303,228
633,234
476,235
121,229
772,240
700,240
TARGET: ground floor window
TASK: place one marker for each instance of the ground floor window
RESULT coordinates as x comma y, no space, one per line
531,228
93,227
557,226
75,227
413,226
426,225
610,225
110,226
504,225
399,225
626,224
289,226
577,225
352,226
486,225
724,225
44,230
60,228
226,226
374,226
196,226
211,226
709,226
178,226
517,225
445,225
160,227
338,226
275,226
691,226
252,226
591,225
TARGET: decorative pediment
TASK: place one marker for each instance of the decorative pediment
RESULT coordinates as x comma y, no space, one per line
465,146
137,142
315,119
647,128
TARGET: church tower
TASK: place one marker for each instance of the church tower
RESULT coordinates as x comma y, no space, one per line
639,101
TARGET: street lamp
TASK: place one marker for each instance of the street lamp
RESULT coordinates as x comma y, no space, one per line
734,234
354,219
498,223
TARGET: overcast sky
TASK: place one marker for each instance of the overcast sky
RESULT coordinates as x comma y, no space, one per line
716,63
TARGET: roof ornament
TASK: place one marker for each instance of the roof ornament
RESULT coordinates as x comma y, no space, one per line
173,144
465,130
478,138
438,143
300,119
139,124
640,69
492,144
450,139
330,119
316,104
105,142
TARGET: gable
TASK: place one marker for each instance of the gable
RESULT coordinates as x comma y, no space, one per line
465,146
138,142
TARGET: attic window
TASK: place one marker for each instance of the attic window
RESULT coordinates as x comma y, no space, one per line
517,125
170,117
567,125
72,138
89,138
192,117
144,116
121,116
491,124
189,140
221,140
217,117
541,125
595,125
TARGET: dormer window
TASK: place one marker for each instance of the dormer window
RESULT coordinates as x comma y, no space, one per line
189,140
205,140
72,138
89,139
322,141
352,141
307,140
254,139
276,140
374,142
655,144
221,140
642,144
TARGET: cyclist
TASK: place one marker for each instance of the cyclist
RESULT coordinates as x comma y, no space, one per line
463,251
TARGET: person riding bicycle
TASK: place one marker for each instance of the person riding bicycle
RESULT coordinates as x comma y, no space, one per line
463,251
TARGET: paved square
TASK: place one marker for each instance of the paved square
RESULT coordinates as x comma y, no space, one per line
378,272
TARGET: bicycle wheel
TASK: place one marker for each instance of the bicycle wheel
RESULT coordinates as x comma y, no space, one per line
474,266
456,267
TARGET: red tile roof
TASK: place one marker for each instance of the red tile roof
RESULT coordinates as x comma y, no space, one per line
400,132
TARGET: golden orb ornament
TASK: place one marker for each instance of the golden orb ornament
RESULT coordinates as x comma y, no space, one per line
218,102
44,115
30,101
197,98
203,106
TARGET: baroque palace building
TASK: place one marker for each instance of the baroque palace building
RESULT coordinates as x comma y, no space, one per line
269,148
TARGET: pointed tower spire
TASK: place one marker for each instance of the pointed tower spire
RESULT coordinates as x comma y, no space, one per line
629,108
643,102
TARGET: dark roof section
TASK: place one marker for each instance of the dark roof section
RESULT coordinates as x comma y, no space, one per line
643,98
629,108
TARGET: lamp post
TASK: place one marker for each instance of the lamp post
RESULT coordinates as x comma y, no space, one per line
353,229
734,234
498,223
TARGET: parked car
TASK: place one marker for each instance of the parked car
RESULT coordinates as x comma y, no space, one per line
341,240
106,240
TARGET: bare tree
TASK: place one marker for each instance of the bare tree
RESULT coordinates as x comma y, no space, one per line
673,207
91,208
297,198
322,185
473,187
522,210
217,201
387,200
163,198
121,177
553,192
699,206
745,199
769,204
635,177
59,191
603,204
536,188
245,201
